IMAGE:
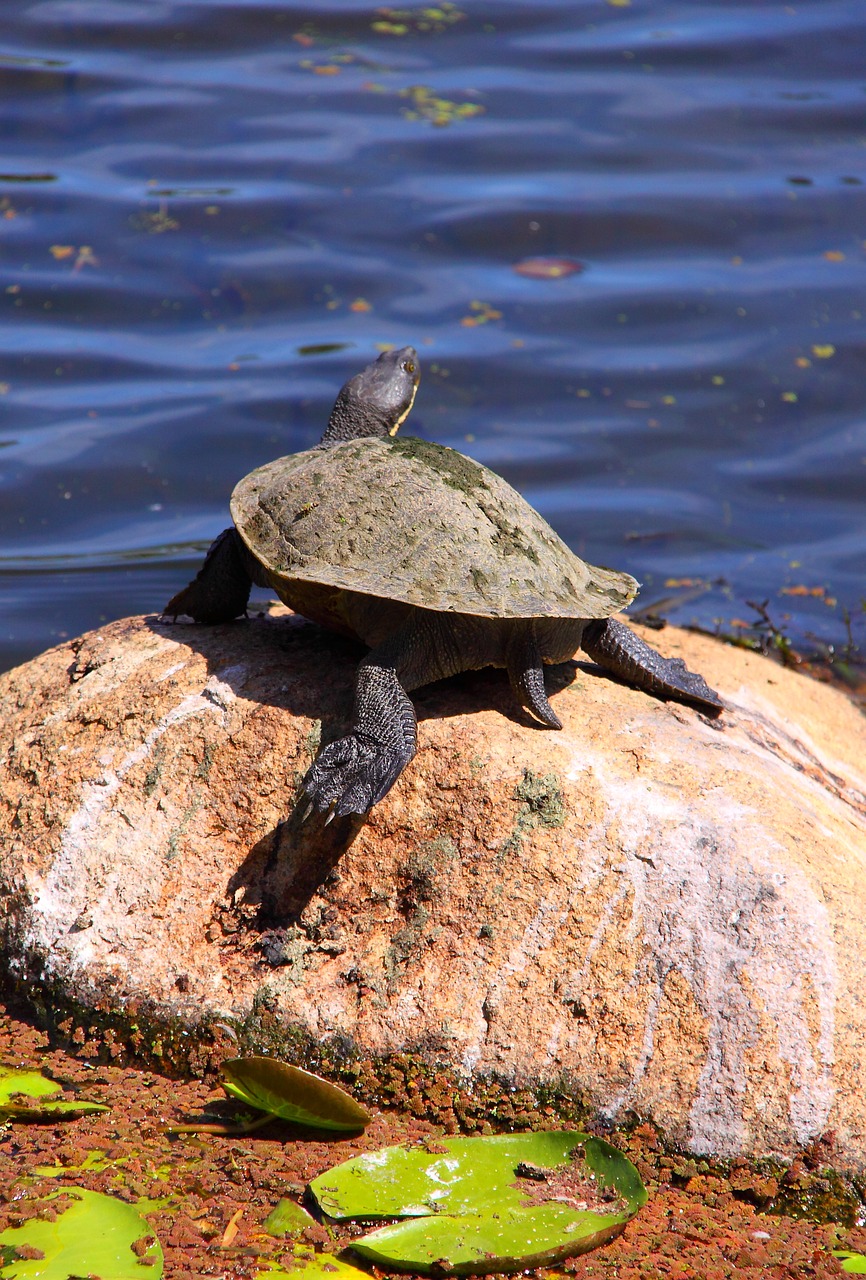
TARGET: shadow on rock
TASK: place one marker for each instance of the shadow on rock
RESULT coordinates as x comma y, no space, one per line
288,662
295,666
287,867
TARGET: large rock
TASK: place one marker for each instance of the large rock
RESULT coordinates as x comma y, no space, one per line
663,912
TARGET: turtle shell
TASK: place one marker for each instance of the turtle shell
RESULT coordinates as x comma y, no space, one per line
413,521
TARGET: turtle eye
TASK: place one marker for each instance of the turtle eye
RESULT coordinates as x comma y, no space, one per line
409,366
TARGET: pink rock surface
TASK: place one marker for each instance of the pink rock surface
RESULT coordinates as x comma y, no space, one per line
663,911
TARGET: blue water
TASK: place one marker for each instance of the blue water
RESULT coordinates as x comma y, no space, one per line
213,213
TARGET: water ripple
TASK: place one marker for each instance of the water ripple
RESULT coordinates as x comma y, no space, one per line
195,198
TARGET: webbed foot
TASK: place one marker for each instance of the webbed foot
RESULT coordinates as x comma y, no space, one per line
355,772
613,645
352,774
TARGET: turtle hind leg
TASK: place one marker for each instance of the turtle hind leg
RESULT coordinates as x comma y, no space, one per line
526,673
612,645
221,588
355,772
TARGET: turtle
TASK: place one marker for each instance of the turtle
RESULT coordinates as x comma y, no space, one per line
432,561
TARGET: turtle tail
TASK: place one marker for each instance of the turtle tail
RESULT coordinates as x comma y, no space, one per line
614,646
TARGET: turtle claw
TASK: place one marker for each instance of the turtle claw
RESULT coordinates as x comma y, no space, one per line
352,774
307,812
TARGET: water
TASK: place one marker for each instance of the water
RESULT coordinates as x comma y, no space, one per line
211,213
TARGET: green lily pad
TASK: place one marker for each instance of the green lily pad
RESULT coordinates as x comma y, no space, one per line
292,1094
851,1262
309,1265
31,1084
44,1112
288,1219
92,1235
500,1240
28,1084
464,1175
478,1205
94,1161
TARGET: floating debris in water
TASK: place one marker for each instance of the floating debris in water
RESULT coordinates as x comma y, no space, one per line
548,268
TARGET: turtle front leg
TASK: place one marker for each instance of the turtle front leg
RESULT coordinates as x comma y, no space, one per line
355,772
221,588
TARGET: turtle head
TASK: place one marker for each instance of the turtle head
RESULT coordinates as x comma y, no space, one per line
376,401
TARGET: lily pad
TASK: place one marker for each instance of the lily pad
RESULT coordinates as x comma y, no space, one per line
92,1234
31,1084
288,1219
464,1175
309,1265
28,1084
94,1161
478,1205
292,1094
500,1240
853,1263
46,1112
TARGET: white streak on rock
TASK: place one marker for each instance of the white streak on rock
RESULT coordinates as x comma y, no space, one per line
67,891
171,671
724,919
